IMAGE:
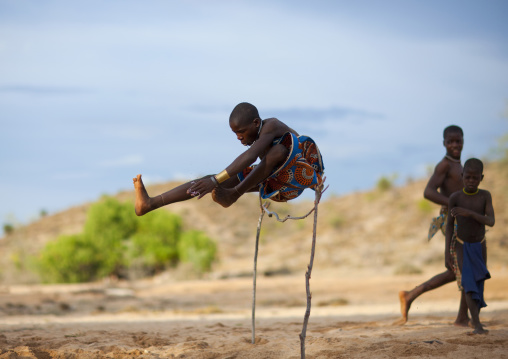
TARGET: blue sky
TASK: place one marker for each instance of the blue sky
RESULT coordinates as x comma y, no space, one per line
92,93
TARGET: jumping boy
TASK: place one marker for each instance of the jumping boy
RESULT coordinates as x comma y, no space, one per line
472,210
289,163
447,177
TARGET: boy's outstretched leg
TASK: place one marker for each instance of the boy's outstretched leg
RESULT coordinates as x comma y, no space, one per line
145,203
407,297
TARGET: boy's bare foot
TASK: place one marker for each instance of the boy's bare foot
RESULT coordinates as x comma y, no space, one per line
225,196
478,331
142,204
405,304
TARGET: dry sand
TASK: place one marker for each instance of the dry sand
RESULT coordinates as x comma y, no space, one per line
351,317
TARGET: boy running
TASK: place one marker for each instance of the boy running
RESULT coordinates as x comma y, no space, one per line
447,177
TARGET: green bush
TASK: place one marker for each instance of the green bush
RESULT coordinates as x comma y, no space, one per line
111,218
425,206
97,252
195,247
154,245
108,227
69,259
386,183
8,228
115,242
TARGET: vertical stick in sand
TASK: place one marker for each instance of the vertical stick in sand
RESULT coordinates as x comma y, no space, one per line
308,273
255,271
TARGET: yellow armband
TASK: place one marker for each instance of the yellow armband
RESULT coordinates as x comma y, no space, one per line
221,177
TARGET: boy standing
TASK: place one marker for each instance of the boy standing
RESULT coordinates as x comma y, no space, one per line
472,210
447,177
289,164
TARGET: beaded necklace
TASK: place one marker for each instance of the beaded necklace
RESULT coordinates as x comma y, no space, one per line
452,159
259,131
470,194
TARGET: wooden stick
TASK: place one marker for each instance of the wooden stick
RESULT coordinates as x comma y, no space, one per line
255,272
303,334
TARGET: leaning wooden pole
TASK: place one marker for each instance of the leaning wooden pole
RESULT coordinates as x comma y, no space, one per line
308,274
261,215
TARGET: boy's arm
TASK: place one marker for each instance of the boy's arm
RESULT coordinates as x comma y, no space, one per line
248,157
251,155
450,228
436,180
487,219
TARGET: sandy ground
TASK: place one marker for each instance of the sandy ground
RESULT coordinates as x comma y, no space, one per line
351,317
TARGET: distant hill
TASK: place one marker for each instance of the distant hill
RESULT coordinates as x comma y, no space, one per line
365,231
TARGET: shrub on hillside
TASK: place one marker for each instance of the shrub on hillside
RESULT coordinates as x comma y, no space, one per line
154,245
116,242
69,259
425,206
386,183
8,228
108,227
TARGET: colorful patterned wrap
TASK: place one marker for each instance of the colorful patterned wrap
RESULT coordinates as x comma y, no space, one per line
303,168
456,269
439,223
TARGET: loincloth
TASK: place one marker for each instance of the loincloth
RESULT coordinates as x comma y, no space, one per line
303,168
474,270
455,268
438,223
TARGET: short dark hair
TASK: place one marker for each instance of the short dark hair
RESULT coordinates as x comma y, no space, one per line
452,129
244,112
474,164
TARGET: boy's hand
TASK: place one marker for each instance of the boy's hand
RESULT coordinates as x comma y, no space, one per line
201,188
459,211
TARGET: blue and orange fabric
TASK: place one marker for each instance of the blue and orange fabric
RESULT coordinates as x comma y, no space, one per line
303,168
437,223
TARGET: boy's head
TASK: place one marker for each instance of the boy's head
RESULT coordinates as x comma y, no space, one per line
474,164
472,174
453,141
244,113
245,123
452,129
